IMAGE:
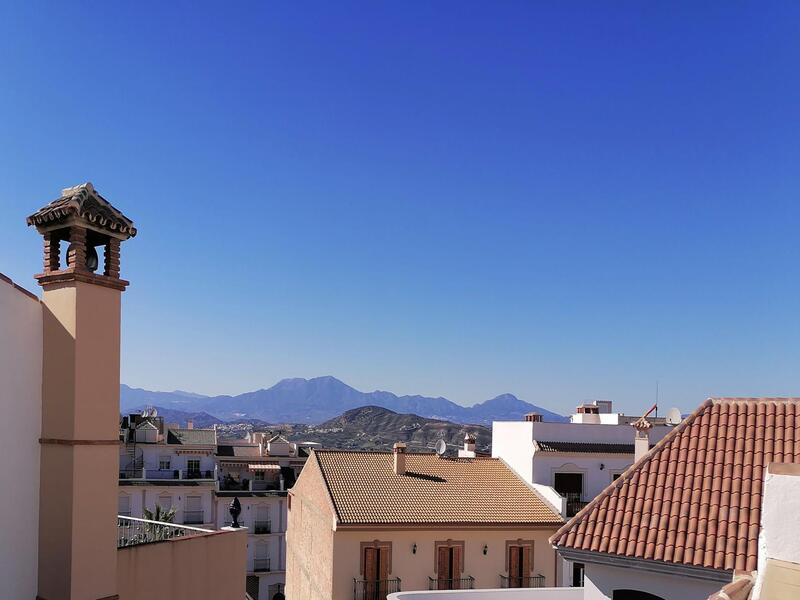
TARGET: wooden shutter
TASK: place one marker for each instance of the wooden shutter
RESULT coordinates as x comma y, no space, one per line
443,564
526,561
513,566
370,563
455,569
383,562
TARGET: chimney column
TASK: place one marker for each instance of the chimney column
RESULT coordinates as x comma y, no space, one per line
641,441
399,451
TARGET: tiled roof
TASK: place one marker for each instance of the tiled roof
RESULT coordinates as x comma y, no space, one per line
365,490
585,447
84,201
250,451
695,498
192,437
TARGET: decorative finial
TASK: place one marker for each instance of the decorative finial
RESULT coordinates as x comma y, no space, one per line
235,510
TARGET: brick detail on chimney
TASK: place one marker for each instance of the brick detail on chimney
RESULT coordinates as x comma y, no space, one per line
52,252
112,258
76,254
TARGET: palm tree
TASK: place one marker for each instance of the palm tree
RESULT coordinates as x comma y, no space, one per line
162,515
155,532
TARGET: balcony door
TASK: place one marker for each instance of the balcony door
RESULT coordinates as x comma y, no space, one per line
448,566
376,571
519,565
570,485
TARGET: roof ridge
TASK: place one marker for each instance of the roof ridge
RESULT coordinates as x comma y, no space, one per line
630,471
734,399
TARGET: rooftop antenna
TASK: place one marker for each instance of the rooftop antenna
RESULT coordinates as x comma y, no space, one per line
656,398
440,447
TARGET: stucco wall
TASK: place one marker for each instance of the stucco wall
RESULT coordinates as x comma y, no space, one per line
206,567
497,594
309,539
600,581
20,427
414,569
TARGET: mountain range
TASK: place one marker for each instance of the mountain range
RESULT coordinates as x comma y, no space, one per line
316,400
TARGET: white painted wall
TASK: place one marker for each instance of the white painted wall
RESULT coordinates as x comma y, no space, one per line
513,442
499,594
20,428
600,581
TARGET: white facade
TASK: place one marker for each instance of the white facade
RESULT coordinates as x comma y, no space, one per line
601,581
20,429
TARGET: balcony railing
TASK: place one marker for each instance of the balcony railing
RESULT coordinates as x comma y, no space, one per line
193,517
260,565
574,503
262,527
374,589
533,581
132,531
161,474
461,583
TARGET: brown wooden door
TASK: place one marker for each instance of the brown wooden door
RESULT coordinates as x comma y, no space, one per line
376,572
519,566
449,567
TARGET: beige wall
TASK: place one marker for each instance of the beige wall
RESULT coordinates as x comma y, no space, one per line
20,426
205,567
80,407
414,569
309,538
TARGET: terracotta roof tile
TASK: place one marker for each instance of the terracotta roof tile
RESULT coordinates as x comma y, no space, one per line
695,498
365,490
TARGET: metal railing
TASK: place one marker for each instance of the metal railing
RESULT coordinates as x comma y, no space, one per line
519,581
461,583
132,531
574,503
130,473
193,517
260,564
375,589
197,474
262,527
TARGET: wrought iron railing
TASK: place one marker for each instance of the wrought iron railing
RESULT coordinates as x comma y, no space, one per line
375,589
460,583
574,503
261,527
193,517
132,531
260,564
533,581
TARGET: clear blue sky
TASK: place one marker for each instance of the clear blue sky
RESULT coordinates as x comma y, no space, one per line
560,200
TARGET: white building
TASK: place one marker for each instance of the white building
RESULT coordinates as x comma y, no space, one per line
167,466
570,463
20,429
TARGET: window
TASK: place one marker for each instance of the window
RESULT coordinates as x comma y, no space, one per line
449,565
258,476
376,564
616,476
163,463
519,559
570,485
261,560
577,574
165,502
124,505
193,514
193,466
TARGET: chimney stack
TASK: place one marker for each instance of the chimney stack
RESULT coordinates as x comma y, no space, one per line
399,450
641,442
469,447
189,424
533,417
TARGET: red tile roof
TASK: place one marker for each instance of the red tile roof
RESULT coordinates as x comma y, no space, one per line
695,498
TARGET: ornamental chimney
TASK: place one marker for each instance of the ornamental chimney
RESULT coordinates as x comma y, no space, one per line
469,447
399,451
81,303
641,441
533,417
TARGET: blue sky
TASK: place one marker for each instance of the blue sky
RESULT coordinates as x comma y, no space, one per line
560,200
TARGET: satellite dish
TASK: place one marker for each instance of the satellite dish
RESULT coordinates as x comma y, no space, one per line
440,447
674,416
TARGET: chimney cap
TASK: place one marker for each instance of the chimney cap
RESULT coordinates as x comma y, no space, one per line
468,437
399,447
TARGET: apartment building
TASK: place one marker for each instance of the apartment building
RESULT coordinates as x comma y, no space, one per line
59,376
366,524
167,466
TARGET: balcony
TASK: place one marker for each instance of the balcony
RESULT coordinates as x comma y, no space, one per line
460,583
534,581
376,589
262,527
193,517
549,593
132,531
145,474
574,503
260,565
